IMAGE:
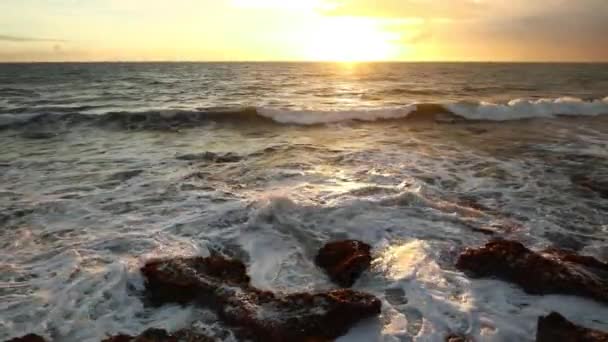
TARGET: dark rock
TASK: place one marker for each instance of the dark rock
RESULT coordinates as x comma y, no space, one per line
222,285
183,280
551,271
344,261
555,328
211,157
457,338
159,335
28,338
599,186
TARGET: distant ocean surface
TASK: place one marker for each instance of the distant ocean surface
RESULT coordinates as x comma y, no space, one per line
105,166
304,93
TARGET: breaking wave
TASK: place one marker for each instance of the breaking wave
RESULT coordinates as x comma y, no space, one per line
518,109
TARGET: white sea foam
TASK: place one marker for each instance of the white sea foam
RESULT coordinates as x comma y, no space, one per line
449,302
311,117
517,109
527,109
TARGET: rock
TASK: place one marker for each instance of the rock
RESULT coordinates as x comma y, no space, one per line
184,280
211,157
344,261
555,328
222,285
551,271
457,338
28,338
599,186
159,335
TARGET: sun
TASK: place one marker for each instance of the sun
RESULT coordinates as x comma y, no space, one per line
349,40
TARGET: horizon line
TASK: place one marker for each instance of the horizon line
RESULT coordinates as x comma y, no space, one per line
309,61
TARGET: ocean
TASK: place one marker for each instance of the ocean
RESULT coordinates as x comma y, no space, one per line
104,166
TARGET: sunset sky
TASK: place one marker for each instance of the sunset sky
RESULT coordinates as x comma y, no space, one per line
285,30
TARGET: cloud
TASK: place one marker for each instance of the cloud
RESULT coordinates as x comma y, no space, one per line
483,29
23,39
407,8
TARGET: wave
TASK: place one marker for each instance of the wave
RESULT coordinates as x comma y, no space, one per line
518,109
529,109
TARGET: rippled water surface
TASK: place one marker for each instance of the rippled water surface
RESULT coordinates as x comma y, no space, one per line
84,203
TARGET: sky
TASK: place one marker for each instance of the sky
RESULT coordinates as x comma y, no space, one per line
298,30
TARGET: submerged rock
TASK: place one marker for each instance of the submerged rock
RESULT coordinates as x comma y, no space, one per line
555,327
211,157
551,271
159,335
222,285
599,186
458,338
28,338
344,261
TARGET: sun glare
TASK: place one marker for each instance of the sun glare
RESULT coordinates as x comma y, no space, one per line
350,41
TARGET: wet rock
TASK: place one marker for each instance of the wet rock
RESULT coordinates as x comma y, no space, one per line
184,280
211,157
222,285
555,327
457,338
159,335
344,261
551,271
599,186
28,338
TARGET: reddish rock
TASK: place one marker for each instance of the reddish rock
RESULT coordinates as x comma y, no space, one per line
222,285
551,271
183,280
159,335
344,261
28,338
458,338
555,328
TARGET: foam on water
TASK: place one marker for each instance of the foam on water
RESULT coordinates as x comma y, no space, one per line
320,117
528,109
513,110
